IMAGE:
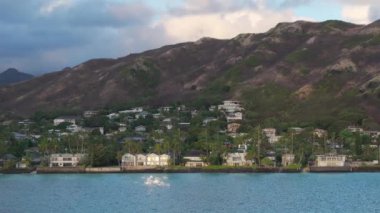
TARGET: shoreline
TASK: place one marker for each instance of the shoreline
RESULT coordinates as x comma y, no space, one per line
110,170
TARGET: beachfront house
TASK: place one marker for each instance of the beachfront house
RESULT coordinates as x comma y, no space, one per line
194,161
66,160
237,159
128,160
164,160
330,160
153,159
287,159
140,160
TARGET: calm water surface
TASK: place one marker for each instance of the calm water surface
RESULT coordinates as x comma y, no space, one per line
359,192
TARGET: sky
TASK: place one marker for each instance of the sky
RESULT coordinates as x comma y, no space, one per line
40,36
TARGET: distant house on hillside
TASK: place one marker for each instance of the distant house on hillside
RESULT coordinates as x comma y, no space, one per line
165,109
133,110
320,133
142,114
90,113
355,129
234,116
65,119
140,129
233,127
230,106
19,136
113,115
208,120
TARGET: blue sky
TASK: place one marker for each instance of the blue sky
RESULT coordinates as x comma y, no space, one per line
39,36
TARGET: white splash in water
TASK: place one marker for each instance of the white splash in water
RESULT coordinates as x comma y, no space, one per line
156,181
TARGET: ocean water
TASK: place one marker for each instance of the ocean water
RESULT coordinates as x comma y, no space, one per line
342,192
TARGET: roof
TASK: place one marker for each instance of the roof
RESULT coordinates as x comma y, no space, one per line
67,155
68,117
8,157
194,153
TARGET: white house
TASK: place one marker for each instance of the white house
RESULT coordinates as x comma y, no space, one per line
230,106
270,133
90,113
133,110
66,160
142,114
237,159
166,109
152,160
141,160
128,160
113,115
194,161
157,160
140,129
355,129
287,159
330,160
164,160
74,128
234,116
296,130
65,119
208,120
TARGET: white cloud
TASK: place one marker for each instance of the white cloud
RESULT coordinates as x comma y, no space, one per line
223,25
358,14
53,5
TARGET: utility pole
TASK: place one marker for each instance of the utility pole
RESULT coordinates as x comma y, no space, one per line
292,142
378,147
258,145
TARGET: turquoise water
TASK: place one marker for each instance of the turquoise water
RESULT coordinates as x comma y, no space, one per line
358,192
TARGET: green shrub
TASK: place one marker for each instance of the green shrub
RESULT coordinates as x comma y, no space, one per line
299,56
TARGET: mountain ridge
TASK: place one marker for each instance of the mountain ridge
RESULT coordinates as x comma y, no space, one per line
12,75
298,57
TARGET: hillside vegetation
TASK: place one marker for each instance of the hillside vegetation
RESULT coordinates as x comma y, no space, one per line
324,74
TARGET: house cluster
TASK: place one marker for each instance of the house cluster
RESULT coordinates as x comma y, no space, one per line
233,112
373,134
73,126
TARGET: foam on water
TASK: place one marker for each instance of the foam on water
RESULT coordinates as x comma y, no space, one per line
156,181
